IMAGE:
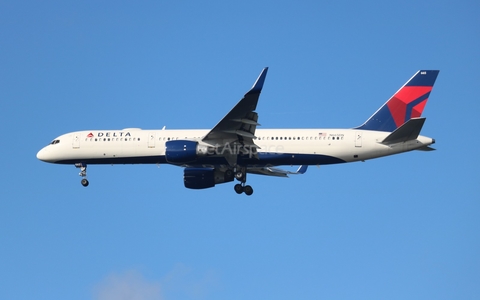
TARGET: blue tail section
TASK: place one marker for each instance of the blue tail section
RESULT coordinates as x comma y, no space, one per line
408,102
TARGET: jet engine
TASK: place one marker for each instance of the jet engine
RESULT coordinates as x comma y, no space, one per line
184,151
202,178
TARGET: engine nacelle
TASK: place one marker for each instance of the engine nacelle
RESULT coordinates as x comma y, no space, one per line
202,178
183,151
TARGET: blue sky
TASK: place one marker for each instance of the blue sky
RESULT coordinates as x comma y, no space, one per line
401,227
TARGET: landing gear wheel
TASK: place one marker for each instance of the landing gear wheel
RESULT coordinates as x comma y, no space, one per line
238,188
248,190
239,175
84,182
229,175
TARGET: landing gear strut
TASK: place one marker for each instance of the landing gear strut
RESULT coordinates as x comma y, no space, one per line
83,173
241,175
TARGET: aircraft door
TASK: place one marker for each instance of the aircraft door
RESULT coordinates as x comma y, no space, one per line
358,139
76,141
151,140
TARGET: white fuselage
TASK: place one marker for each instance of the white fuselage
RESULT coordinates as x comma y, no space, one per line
276,146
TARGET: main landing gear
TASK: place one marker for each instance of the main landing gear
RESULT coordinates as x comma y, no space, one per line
83,173
241,175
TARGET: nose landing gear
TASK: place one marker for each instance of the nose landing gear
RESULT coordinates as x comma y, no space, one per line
83,173
84,182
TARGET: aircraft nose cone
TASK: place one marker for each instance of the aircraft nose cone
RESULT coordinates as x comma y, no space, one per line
43,155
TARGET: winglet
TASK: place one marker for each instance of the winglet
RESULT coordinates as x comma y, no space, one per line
302,169
258,85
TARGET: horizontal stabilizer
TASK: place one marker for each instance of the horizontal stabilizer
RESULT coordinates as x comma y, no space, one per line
407,132
426,148
270,171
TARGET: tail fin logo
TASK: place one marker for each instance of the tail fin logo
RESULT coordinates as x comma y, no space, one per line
407,103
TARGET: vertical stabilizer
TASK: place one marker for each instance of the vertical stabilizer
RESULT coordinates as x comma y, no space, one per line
407,103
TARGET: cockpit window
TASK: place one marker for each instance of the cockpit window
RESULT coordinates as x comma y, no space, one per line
54,142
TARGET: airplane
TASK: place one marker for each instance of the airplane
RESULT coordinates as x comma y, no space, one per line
234,147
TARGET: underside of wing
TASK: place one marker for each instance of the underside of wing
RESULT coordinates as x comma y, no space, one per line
271,171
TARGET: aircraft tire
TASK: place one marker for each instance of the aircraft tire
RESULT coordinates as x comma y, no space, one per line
229,175
239,176
248,190
84,182
238,188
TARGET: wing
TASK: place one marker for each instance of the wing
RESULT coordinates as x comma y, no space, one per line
239,125
269,171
